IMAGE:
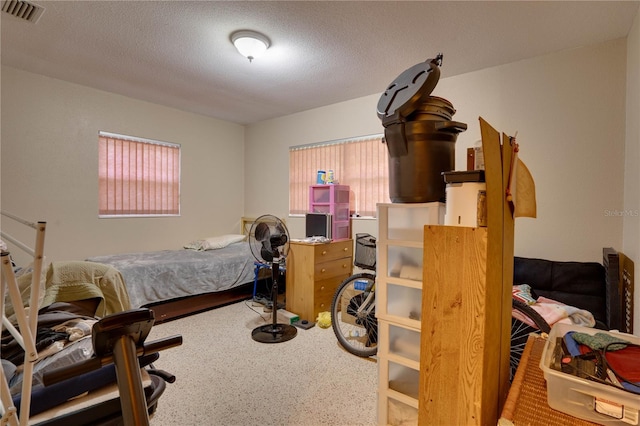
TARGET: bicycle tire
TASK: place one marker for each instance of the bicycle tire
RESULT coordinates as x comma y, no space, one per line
520,333
353,316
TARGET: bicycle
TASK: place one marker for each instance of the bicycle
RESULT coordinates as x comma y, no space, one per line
353,306
520,332
356,326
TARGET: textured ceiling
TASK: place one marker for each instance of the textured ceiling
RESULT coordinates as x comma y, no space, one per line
178,53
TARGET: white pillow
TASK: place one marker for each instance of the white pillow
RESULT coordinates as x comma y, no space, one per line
221,241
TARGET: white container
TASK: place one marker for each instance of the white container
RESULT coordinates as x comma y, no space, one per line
404,302
585,399
405,222
463,203
404,342
405,262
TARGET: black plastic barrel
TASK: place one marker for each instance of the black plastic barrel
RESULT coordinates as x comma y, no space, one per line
419,134
418,158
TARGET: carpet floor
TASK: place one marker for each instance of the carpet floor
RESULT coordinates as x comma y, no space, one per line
226,378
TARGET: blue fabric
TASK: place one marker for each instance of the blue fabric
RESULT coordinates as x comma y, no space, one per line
46,397
572,346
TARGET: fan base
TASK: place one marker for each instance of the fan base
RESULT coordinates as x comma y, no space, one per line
271,333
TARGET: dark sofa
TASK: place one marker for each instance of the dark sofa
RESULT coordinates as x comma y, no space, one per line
595,287
577,284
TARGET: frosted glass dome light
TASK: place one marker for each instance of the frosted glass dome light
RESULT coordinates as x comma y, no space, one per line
250,44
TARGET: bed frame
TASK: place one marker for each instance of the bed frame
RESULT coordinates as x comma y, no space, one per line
182,307
620,283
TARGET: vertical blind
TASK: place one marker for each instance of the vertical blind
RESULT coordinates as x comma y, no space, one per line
360,163
138,176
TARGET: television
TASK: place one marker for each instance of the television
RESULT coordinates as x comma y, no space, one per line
318,225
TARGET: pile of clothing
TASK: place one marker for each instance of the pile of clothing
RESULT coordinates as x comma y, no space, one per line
551,310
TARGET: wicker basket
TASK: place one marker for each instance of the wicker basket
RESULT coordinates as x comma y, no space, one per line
365,256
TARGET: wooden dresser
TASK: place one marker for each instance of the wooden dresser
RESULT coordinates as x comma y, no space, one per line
314,271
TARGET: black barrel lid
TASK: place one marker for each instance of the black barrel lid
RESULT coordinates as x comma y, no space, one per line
408,91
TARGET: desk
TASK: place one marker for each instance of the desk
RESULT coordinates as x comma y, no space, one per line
527,400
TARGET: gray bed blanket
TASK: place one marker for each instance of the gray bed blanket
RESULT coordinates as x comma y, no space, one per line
159,276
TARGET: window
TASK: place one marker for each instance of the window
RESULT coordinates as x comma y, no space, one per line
137,177
361,163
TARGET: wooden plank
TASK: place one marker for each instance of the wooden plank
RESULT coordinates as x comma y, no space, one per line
508,231
455,347
496,200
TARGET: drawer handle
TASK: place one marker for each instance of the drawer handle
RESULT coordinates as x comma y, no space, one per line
324,252
323,270
346,248
344,265
322,288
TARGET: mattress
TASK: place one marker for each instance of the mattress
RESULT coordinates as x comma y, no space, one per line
159,276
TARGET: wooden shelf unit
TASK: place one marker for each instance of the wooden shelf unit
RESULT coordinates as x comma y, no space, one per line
464,364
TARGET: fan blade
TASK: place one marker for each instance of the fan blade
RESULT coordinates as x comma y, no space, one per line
262,232
266,254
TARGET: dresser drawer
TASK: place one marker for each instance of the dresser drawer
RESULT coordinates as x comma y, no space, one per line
335,250
332,268
324,291
328,286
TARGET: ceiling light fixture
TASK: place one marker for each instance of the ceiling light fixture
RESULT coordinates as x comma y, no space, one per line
250,44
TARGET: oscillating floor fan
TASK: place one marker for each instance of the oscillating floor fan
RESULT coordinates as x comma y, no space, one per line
269,242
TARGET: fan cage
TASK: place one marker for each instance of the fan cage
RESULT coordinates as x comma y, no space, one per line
272,221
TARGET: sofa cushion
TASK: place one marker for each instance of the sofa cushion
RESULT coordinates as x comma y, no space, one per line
579,284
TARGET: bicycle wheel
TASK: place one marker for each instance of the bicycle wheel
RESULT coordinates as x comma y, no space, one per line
353,315
520,333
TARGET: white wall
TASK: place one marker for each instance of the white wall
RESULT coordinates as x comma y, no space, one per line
568,109
267,154
49,167
631,230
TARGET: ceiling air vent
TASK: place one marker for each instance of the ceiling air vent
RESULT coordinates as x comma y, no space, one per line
23,10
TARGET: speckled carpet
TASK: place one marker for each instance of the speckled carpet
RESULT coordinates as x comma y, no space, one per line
226,378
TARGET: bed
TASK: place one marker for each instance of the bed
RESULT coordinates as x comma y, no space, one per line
174,283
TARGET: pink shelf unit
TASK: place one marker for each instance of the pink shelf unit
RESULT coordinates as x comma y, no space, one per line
332,199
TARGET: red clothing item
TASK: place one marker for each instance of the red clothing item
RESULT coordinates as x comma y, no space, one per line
625,362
